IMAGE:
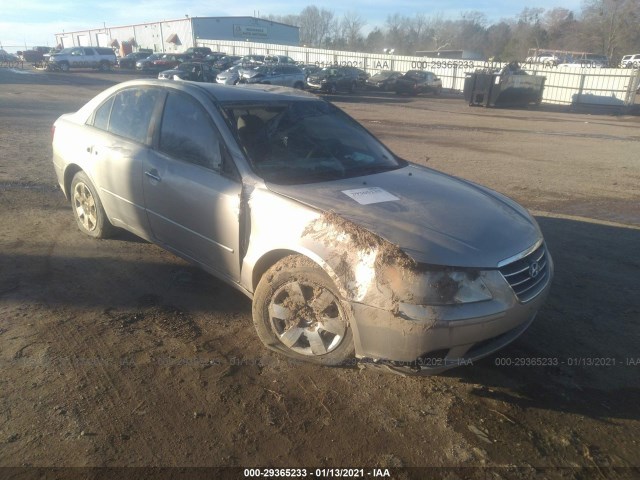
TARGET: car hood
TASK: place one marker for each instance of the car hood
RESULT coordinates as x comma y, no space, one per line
436,219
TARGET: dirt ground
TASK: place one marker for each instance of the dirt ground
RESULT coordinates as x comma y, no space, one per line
116,353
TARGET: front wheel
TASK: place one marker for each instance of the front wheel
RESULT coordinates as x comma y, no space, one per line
64,66
297,311
87,208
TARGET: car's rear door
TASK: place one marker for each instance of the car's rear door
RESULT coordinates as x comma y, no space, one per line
191,191
90,57
118,143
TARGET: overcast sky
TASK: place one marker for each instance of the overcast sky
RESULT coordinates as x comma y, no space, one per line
35,22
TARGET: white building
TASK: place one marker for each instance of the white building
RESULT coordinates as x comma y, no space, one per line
178,35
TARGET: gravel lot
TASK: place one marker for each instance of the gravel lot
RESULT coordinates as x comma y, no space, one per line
116,353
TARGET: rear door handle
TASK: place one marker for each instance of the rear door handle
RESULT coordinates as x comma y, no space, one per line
153,174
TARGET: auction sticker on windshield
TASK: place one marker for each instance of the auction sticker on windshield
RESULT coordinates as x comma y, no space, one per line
366,196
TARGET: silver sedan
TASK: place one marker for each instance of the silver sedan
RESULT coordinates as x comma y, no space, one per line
348,252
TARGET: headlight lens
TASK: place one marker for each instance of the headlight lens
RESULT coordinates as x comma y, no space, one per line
441,287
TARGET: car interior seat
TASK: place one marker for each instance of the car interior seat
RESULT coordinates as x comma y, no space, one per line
252,132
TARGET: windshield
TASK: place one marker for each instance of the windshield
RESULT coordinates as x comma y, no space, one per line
382,75
328,71
305,142
415,75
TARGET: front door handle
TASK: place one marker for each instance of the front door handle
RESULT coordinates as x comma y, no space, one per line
153,174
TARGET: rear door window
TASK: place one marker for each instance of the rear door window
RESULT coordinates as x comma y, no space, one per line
132,111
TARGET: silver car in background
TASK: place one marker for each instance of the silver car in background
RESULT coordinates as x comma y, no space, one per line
283,75
231,76
347,251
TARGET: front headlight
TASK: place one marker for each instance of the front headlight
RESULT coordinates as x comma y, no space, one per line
439,287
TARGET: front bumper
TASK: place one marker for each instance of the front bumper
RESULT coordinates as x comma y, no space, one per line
317,86
427,340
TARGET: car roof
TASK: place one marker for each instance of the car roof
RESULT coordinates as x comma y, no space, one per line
230,93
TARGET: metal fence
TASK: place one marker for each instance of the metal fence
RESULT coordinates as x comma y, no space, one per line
563,85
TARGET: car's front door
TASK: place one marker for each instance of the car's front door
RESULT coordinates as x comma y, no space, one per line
192,196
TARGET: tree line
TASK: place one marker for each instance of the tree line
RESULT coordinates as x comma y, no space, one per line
607,27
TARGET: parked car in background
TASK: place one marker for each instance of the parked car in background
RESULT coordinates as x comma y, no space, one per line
83,57
310,69
214,57
230,76
584,60
384,80
281,74
544,58
279,59
192,71
197,52
630,61
252,60
8,58
337,79
418,81
226,62
345,250
128,62
145,64
168,61
34,55
582,64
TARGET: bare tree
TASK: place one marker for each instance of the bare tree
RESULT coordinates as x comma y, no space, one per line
602,26
609,26
418,25
440,32
560,26
315,25
396,33
351,29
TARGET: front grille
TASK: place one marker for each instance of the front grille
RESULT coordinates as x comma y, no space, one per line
525,279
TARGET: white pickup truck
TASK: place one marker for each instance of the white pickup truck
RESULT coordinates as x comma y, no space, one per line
83,57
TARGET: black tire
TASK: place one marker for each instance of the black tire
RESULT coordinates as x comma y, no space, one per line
353,87
332,89
298,86
104,66
64,66
297,311
87,208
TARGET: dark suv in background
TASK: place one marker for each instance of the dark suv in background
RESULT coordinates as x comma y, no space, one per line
197,52
335,79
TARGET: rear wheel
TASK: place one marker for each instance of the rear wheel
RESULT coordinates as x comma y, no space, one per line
297,311
87,208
